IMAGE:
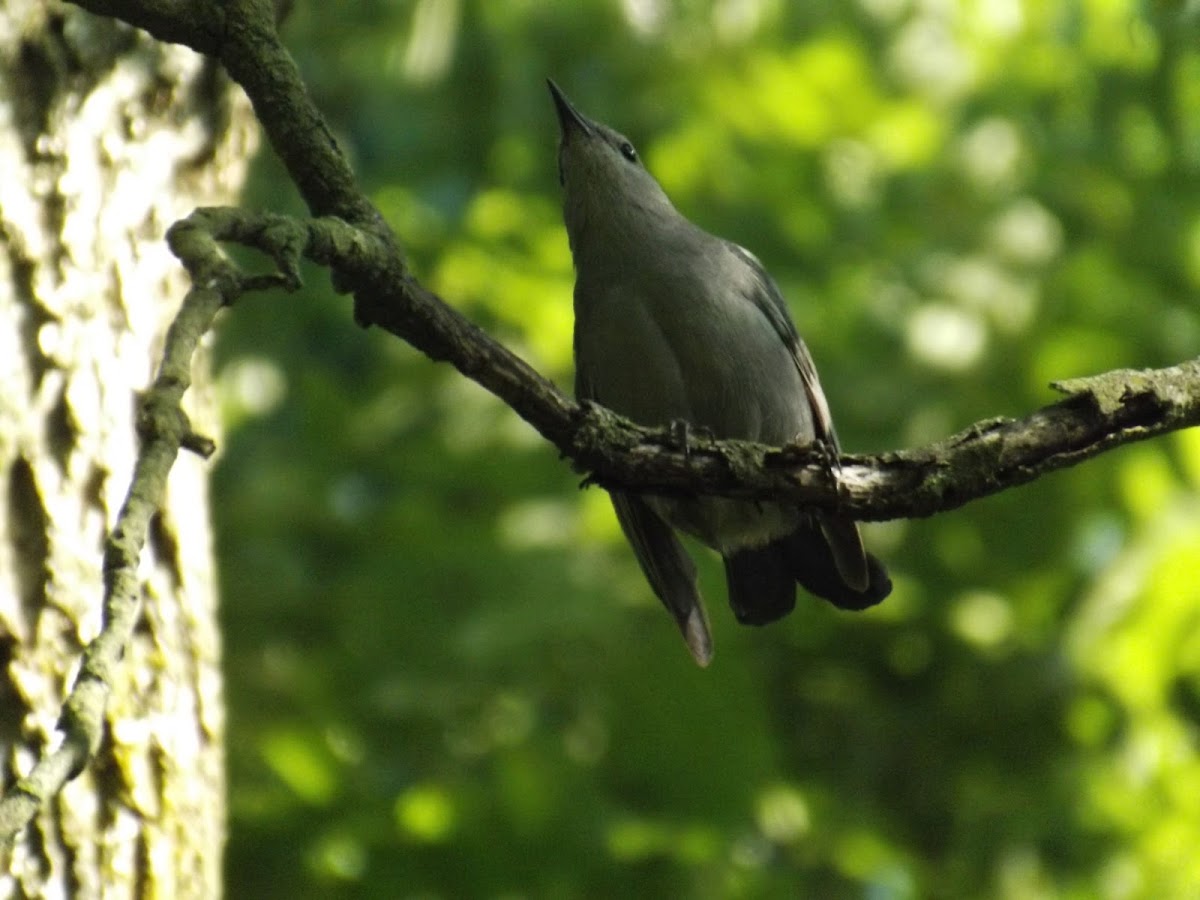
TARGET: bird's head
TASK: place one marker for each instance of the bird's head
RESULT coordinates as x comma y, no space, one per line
605,186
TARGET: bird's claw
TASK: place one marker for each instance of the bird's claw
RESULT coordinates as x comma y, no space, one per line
829,455
680,433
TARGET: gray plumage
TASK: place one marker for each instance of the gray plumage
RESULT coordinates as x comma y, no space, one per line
675,325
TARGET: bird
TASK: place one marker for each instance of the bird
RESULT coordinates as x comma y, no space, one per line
677,327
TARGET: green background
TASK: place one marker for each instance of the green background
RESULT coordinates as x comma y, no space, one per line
446,675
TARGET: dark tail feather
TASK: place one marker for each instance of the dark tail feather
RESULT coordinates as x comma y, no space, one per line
761,585
762,581
669,570
816,567
846,546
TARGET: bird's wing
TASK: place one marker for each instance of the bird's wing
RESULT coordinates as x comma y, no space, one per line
665,563
669,570
771,304
584,390
840,531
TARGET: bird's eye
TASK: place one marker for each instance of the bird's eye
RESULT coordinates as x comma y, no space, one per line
628,152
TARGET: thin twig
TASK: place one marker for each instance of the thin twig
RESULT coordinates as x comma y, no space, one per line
163,428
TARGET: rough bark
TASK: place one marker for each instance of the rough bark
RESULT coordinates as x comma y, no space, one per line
109,137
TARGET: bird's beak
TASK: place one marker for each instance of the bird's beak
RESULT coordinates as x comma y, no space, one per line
569,118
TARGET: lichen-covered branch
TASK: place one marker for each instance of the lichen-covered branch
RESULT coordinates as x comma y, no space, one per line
1099,413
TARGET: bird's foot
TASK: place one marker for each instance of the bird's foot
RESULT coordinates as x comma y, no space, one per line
829,455
680,433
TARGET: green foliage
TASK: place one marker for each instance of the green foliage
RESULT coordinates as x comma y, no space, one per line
446,675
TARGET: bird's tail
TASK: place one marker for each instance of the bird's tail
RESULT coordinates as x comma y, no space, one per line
846,547
669,570
762,580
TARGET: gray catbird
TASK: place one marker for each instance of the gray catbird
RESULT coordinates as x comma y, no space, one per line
674,325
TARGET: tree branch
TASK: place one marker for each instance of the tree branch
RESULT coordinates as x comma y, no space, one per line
198,25
1099,413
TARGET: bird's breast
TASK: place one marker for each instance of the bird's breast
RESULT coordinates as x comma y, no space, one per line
659,349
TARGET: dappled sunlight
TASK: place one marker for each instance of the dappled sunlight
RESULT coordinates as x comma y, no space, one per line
783,814
946,336
1146,482
539,523
1025,233
474,422
250,386
983,619
1137,639
426,813
852,172
1073,351
991,153
301,764
632,840
516,266
907,134
338,856
805,97
926,56
867,856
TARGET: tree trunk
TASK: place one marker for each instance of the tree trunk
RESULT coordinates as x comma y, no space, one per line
108,137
